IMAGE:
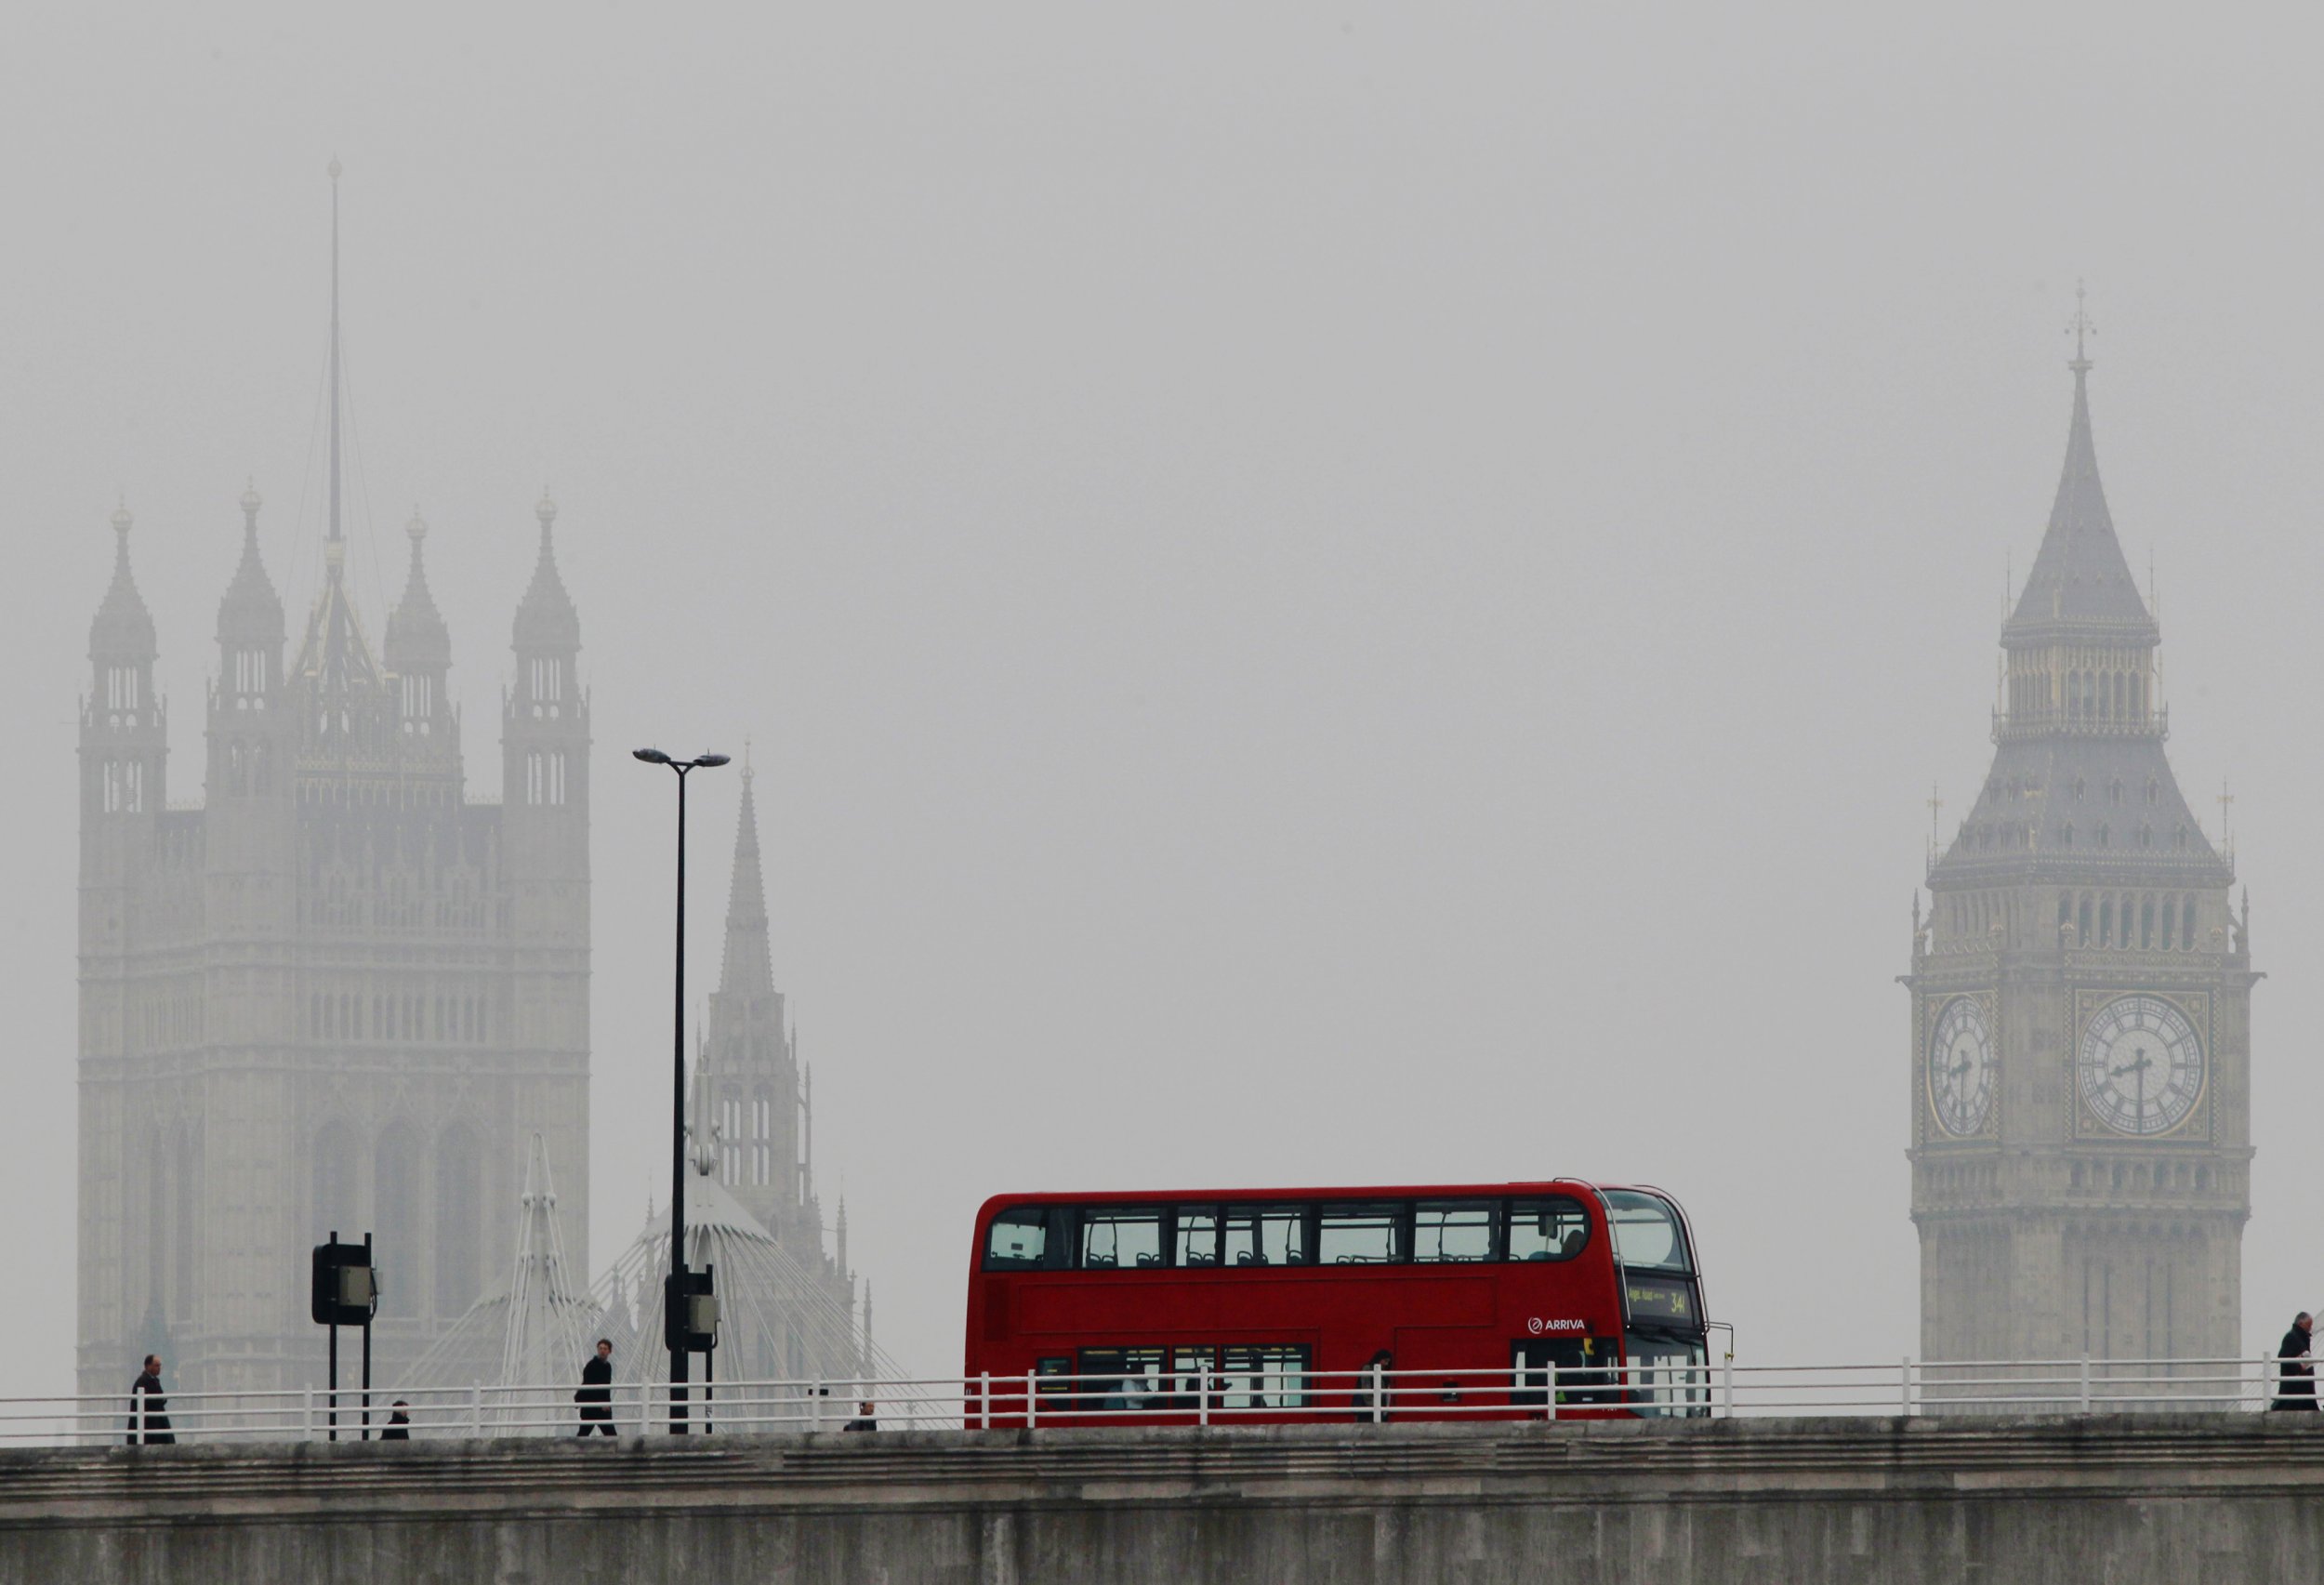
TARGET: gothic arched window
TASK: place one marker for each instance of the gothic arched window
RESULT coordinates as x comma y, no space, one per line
2106,834
2066,834
2186,925
2105,922
188,1238
395,1217
332,1203
459,1258
2146,923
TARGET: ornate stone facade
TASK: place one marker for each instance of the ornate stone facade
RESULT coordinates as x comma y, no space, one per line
336,994
2080,992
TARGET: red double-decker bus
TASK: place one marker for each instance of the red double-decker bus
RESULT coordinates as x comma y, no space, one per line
1419,1302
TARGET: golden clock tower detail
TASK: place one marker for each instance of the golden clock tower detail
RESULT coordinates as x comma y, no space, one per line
2079,1052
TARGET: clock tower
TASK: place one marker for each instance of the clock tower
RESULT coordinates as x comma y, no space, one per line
2079,1053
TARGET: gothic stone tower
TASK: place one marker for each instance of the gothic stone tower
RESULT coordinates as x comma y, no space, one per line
759,1101
336,994
2079,1049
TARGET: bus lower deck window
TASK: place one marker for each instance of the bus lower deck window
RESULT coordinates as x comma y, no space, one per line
1265,1378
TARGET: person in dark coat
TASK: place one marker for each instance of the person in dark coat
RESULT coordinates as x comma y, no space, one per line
147,1422
2295,1384
866,1418
596,1396
399,1423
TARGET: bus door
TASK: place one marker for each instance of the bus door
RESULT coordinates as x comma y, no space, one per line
1580,1364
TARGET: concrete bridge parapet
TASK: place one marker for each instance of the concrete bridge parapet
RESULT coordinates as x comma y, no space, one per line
2184,1498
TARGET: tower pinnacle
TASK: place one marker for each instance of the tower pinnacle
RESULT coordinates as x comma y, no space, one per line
123,626
2080,328
336,557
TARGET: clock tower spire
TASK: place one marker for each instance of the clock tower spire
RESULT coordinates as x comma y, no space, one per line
2079,1048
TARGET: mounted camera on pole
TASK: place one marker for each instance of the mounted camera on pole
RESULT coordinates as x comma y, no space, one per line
345,1292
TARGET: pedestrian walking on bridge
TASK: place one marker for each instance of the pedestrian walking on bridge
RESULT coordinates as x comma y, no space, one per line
2295,1384
596,1396
147,1422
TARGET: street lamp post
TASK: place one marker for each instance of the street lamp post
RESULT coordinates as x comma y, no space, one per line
671,1290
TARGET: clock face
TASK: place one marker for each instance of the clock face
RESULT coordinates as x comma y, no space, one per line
2141,1067
1961,1067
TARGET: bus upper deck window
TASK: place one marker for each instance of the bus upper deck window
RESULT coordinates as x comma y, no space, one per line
1017,1240
1121,1238
1546,1230
1352,1234
1265,1235
1452,1230
1198,1236
1646,1232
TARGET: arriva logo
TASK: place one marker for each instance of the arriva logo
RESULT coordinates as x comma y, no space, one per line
1538,1325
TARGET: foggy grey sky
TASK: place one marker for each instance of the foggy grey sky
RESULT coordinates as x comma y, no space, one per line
1323,594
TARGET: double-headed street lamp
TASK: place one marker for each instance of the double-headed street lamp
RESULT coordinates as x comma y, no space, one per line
676,1318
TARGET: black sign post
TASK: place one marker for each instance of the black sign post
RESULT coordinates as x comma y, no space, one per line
689,1315
373,1285
344,1293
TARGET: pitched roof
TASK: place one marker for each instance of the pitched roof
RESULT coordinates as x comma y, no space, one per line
123,628
251,611
2077,808
2080,577
417,639
546,619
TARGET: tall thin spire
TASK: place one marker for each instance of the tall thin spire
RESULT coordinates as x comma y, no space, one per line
748,969
338,556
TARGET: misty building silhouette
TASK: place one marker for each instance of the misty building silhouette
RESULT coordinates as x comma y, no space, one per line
2081,999
336,994
788,1306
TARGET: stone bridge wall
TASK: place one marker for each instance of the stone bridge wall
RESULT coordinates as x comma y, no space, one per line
2186,1499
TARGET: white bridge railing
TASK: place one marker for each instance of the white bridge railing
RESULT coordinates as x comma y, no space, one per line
1198,1397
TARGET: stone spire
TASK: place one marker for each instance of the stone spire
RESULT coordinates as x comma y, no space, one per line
123,631
416,639
748,969
251,613
2079,580
2079,784
546,619
334,651
336,554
